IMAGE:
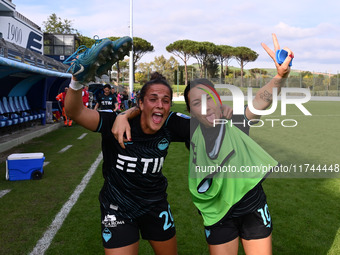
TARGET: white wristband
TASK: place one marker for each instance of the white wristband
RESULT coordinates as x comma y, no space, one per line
75,85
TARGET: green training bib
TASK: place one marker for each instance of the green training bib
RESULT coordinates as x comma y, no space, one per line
216,184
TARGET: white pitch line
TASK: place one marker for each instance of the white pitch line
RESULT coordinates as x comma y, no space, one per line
82,136
43,244
46,163
65,149
4,192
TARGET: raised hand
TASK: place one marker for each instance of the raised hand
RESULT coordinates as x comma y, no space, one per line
284,68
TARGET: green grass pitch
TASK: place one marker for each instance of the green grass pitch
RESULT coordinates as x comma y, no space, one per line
305,211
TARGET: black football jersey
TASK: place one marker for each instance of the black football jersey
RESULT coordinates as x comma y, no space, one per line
134,181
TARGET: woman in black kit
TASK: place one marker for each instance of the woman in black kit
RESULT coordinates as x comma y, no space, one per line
133,198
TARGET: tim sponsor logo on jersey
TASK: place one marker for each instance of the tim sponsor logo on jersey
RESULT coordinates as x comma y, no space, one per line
107,102
110,221
128,164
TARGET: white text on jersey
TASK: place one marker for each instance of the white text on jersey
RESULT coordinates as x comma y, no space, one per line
129,163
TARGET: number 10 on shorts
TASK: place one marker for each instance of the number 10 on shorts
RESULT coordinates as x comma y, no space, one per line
265,216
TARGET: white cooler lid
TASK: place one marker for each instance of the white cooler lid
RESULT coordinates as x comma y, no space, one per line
26,156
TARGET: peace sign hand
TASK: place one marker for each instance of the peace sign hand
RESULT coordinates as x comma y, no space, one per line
284,68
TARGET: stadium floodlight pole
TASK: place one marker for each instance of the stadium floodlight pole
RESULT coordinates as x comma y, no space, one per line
131,52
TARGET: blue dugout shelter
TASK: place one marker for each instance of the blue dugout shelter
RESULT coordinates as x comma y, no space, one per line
28,79
24,73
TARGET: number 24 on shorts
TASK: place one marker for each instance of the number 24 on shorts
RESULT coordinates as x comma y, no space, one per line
168,219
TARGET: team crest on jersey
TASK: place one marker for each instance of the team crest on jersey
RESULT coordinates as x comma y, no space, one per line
182,115
163,144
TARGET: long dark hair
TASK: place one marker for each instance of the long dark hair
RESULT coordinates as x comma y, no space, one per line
156,78
193,84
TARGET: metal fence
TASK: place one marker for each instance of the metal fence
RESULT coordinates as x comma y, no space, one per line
319,84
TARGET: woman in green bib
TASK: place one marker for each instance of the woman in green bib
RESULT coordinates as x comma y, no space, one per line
229,198
226,167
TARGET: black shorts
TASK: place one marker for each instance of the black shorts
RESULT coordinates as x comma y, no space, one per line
156,225
255,225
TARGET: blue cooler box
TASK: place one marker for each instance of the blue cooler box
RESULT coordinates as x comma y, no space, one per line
24,166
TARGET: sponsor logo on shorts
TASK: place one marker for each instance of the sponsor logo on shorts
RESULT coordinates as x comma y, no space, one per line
110,221
114,207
